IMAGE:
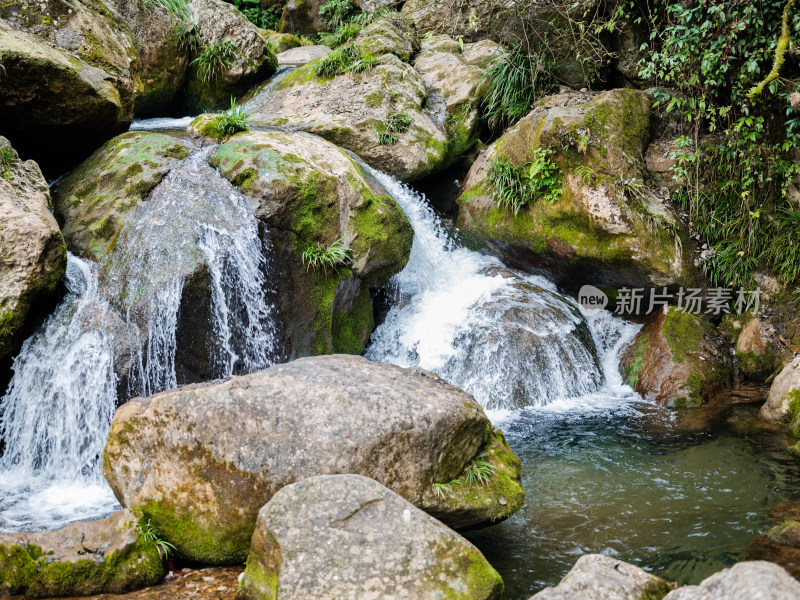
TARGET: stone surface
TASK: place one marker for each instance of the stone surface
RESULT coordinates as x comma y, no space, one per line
753,580
607,224
348,109
347,536
302,16
312,194
302,55
783,400
201,460
90,557
33,255
759,350
677,359
599,577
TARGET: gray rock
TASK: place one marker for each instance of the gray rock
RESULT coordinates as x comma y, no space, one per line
347,536
32,249
90,557
599,577
201,460
302,55
785,388
753,580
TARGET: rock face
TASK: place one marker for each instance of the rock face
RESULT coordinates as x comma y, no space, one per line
759,350
676,360
606,227
218,21
302,55
312,194
783,401
302,16
200,461
347,536
598,577
92,557
439,98
753,580
94,200
32,249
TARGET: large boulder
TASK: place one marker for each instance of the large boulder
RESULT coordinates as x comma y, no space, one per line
201,460
759,351
216,22
312,194
302,16
94,201
599,577
783,401
347,536
677,359
439,98
33,254
753,580
603,225
92,557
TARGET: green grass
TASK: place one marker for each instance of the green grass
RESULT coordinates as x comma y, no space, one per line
178,8
149,532
345,21
395,123
345,59
479,470
321,257
8,157
515,187
234,120
215,59
265,18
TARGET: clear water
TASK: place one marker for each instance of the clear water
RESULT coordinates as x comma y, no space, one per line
604,471
121,317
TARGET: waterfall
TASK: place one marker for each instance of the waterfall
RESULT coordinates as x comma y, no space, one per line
506,337
122,317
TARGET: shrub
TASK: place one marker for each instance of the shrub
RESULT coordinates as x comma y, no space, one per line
233,120
515,187
215,59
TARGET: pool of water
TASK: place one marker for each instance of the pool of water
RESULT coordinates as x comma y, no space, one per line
681,497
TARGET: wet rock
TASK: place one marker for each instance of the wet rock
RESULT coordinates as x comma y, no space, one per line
200,461
91,557
33,253
302,55
607,227
783,401
677,359
342,536
764,547
312,194
598,577
759,350
754,579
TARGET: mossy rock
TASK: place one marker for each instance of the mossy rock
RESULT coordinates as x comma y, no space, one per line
388,36
312,194
678,359
95,199
106,556
597,225
207,126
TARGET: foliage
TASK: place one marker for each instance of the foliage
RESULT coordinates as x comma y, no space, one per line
336,12
7,158
443,490
724,61
479,470
234,120
346,21
178,8
321,257
215,59
514,80
345,59
515,187
149,532
265,18
395,123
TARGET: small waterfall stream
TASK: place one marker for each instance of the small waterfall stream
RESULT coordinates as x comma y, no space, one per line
121,318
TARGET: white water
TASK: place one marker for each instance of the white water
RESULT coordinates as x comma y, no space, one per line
161,123
54,418
506,337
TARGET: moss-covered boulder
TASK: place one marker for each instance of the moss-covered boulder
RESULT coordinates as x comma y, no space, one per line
201,460
677,359
93,557
283,41
347,536
94,201
406,122
311,195
34,256
594,216
218,22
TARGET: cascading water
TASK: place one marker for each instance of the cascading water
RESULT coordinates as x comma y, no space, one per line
122,318
506,337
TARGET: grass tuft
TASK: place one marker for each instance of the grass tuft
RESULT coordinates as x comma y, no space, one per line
234,120
321,257
215,59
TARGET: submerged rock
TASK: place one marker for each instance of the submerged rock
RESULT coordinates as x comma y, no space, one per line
753,579
676,360
605,227
90,557
200,461
311,195
599,577
437,101
33,254
347,536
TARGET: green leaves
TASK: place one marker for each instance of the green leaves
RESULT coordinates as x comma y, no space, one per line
345,59
215,59
320,257
234,120
396,122
515,187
